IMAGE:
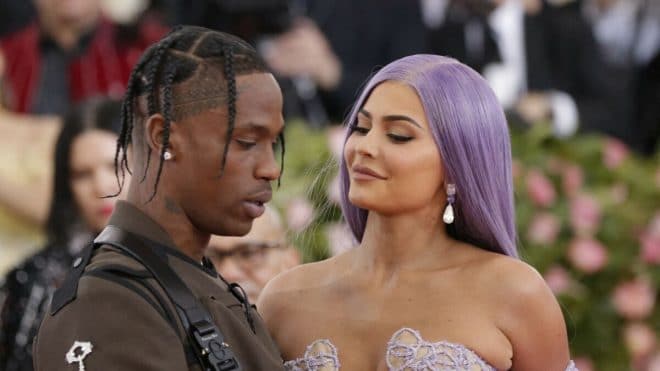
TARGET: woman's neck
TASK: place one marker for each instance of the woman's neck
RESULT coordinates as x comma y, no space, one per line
395,244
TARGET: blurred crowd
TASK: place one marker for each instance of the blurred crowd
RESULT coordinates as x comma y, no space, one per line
577,66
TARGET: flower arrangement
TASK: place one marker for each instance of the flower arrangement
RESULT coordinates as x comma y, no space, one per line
588,218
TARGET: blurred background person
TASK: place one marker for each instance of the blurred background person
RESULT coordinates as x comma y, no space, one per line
628,35
84,174
70,52
320,50
254,259
567,62
60,53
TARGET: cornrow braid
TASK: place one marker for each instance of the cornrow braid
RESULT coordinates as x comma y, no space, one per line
175,59
124,138
231,99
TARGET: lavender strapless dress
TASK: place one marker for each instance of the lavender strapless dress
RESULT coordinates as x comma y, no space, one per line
406,351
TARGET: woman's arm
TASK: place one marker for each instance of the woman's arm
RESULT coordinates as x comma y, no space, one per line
532,320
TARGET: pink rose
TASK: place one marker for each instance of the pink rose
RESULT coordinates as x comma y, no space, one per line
614,153
650,241
650,248
654,363
585,214
543,229
634,299
639,338
334,191
339,238
336,136
572,179
299,214
558,279
540,189
654,225
584,364
587,255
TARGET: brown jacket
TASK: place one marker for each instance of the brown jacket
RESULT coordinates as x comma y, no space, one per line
131,325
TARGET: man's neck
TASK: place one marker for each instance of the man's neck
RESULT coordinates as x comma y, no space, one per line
186,237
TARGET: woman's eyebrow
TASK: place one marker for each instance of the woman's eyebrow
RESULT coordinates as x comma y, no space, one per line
391,117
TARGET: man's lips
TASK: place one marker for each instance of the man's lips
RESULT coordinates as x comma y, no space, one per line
363,172
261,197
254,205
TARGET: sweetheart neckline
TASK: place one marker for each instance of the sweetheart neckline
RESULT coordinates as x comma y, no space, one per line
332,359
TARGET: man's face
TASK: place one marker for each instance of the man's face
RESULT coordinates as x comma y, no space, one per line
226,200
254,259
68,12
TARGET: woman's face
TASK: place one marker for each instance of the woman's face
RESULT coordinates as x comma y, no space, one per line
393,162
93,176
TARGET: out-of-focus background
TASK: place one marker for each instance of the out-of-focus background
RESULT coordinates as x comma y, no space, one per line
579,80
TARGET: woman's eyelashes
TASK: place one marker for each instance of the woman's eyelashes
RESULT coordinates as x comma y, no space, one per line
355,128
394,137
399,138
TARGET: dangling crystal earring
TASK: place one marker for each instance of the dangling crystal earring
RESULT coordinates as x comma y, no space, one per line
448,216
167,156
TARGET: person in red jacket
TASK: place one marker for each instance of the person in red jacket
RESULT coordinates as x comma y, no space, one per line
71,52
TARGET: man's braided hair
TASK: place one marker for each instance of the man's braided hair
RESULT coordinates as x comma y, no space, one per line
191,54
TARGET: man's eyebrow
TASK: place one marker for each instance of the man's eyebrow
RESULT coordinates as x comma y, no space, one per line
392,117
260,128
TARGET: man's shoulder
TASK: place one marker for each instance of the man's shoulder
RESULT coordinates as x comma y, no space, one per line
119,323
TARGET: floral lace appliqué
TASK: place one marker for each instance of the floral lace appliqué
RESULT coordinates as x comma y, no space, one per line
407,351
321,355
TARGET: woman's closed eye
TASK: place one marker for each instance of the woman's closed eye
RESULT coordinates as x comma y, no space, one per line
356,128
399,138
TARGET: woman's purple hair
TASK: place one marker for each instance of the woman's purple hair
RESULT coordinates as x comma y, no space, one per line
471,133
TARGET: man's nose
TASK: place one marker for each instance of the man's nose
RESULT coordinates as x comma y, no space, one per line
268,168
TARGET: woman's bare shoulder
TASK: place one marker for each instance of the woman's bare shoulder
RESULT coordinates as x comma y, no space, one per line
525,310
298,284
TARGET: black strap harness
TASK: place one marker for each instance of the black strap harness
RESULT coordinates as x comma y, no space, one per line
206,339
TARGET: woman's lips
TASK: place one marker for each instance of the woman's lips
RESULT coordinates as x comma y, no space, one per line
106,210
365,173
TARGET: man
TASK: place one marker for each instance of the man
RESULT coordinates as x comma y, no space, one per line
200,117
252,260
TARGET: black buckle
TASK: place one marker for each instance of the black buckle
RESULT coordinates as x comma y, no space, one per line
217,354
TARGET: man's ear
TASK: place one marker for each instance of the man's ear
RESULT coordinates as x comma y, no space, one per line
155,129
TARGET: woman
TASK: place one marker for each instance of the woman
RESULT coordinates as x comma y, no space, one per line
435,283
84,174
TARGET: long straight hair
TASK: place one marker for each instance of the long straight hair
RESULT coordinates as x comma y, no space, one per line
471,133
94,114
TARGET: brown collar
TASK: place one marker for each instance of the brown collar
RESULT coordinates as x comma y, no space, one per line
128,217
